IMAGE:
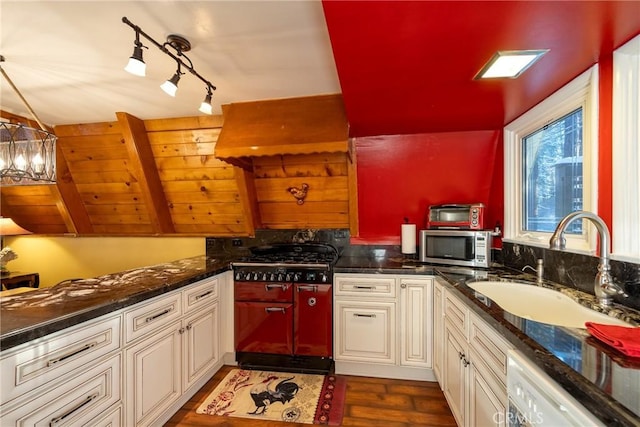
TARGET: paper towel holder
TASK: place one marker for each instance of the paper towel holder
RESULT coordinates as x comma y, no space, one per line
408,238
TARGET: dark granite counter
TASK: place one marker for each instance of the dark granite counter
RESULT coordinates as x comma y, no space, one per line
31,315
605,381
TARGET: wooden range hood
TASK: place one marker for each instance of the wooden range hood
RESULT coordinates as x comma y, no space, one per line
306,125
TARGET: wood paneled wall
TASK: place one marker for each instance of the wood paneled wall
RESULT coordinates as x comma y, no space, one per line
327,202
132,177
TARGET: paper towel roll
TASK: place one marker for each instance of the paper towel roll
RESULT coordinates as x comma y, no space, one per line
408,238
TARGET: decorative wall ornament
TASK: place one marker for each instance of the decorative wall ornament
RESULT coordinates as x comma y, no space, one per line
299,193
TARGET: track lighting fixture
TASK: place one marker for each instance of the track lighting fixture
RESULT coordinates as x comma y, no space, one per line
179,45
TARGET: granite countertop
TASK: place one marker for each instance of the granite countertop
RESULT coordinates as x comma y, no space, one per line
602,379
605,381
31,315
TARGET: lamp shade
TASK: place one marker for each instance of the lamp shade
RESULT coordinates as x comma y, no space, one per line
9,228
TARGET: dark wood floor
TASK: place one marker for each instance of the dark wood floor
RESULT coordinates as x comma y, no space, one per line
369,402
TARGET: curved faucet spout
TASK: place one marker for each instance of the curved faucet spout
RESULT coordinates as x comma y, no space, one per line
558,241
604,287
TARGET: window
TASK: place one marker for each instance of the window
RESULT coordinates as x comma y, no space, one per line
626,152
550,167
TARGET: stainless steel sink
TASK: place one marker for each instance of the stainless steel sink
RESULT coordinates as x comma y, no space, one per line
541,304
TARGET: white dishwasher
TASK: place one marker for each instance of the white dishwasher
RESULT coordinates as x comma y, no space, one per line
536,400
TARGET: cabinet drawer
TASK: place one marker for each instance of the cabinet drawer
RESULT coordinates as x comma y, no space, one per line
77,401
200,294
456,313
490,346
359,285
27,368
152,316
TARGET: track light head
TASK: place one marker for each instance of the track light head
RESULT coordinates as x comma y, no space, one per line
136,65
170,87
205,107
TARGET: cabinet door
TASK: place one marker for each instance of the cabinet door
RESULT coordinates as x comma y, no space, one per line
364,331
201,345
487,398
438,330
454,372
153,375
416,333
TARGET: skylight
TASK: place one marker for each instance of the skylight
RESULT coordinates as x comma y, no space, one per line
509,63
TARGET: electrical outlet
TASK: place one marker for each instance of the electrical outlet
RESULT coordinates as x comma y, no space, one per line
236,242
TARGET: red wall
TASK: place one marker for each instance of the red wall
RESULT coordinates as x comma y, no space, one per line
401,175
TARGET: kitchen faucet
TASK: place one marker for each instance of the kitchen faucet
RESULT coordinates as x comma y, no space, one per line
604,288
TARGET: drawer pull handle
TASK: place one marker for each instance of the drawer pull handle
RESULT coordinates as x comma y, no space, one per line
155,316
364,315
369,288
73,353
275,309
88,400
271,286
203,295
311,288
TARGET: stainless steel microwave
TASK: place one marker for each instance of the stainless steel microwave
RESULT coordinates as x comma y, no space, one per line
456,247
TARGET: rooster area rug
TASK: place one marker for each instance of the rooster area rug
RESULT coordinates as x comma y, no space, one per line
278,396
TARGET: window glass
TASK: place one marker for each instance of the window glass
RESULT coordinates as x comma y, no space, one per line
552,167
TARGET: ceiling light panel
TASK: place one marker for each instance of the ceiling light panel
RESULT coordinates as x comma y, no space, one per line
509,64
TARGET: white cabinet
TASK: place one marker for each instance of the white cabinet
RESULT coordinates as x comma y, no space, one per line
438,328
473,370
135,366
46,361
79,400
154,379
201,346
383,325
416,320
174,348
366,331
454,373
67,378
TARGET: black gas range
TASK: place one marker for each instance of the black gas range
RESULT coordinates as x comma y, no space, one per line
284,307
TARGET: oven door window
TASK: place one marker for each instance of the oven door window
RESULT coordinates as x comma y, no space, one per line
450,247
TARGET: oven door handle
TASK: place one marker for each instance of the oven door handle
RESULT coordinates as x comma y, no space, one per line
270,286
311,288
275,309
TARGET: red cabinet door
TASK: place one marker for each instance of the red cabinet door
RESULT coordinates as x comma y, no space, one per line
264,327
313,324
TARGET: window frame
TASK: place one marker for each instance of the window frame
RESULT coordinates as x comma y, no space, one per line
626,152
580,92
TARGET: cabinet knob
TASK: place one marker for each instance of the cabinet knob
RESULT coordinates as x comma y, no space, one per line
403,285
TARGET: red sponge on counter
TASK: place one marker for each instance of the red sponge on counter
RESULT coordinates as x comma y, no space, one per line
622,338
